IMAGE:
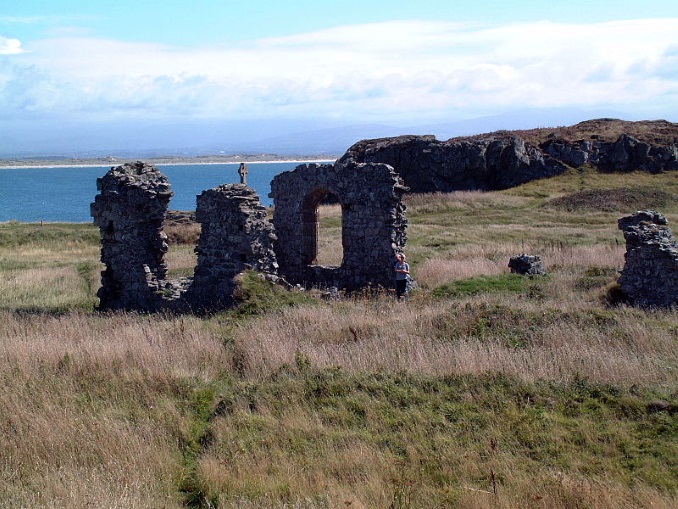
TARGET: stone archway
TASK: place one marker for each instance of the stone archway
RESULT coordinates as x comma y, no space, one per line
373,223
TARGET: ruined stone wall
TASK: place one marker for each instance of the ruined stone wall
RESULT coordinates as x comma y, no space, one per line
129,211
235,236
650,274
373,223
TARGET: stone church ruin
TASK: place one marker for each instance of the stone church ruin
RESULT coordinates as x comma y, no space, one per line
236,235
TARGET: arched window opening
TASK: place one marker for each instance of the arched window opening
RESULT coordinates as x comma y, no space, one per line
322,227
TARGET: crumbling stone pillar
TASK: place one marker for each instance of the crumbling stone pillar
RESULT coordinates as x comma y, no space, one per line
650,274
373,223
235,236
129,211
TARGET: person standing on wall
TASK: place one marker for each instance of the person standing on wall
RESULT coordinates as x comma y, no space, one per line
402,272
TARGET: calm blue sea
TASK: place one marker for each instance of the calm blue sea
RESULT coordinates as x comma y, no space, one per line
63,194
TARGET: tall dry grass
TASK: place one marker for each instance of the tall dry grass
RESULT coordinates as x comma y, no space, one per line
178,233
466,261
559,338
447,338
158,347
47,287
330,245
91,408
427,203
181,260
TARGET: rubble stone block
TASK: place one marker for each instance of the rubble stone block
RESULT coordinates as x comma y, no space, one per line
526,264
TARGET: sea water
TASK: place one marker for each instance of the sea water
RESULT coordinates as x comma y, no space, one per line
64,194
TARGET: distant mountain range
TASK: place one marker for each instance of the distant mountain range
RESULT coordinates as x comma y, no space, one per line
146,138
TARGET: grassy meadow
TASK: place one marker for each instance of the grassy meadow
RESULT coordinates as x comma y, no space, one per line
483,390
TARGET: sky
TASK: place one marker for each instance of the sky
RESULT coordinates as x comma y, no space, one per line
87,74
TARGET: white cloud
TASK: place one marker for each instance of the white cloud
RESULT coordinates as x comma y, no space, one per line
10,46
378,71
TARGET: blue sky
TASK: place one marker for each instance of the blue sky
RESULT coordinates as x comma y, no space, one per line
73,69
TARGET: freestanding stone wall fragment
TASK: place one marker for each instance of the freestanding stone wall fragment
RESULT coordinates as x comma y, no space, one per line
235,236
373,223
650,274
129,212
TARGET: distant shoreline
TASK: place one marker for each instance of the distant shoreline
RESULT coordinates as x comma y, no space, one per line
13,164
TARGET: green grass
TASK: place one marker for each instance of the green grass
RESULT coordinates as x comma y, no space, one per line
512,283
580,429
15,234
257,296
616,200
587,178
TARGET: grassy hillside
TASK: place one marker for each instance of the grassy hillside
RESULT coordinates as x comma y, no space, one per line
483,390
606,129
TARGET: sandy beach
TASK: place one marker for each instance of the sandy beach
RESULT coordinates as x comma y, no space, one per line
15,165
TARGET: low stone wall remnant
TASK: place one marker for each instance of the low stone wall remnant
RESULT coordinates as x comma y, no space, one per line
235,236
130,210
650,274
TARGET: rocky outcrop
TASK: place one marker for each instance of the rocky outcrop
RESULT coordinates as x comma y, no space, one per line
624,154
650,274
428,165
506,159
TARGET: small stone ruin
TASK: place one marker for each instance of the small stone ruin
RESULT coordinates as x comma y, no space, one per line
236,235
650,274
526,264
130,210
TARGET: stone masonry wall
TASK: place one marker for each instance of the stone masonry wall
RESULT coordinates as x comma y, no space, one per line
650,274
373,223
235,236
129,211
